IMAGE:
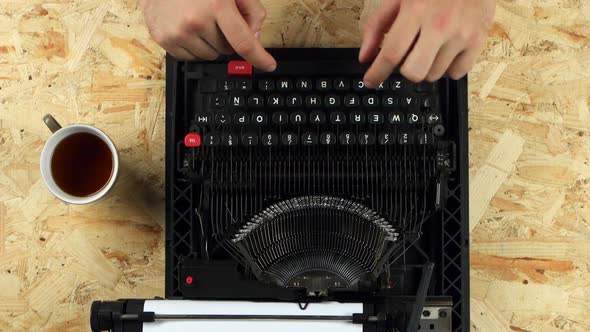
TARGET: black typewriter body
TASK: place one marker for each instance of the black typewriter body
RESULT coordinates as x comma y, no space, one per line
302,185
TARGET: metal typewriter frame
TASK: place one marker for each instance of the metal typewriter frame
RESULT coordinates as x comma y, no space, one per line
450,276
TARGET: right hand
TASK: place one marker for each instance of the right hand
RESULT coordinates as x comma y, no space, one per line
203,29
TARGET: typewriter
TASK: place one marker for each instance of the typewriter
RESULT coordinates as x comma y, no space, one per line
301,200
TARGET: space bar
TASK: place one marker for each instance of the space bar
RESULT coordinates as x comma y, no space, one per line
328,68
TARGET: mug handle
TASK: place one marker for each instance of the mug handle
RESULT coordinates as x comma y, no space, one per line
51,123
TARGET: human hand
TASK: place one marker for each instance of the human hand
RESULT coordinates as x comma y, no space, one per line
425,38
203,29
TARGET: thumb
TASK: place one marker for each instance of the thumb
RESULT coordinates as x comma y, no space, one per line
253,12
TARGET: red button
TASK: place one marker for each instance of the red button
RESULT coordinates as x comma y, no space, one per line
239,68
189,280
192,140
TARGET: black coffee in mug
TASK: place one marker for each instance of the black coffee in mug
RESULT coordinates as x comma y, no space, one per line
82,164
79,163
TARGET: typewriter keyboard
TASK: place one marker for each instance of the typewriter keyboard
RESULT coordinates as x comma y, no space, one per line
289,109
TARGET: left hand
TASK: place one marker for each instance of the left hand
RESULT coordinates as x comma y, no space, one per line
425,38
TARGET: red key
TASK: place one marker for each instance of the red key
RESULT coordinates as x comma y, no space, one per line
192,140
239,68
189,280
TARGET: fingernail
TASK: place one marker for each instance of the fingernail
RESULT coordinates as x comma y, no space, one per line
257,35
271,67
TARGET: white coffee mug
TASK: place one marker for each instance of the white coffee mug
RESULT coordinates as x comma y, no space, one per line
59,134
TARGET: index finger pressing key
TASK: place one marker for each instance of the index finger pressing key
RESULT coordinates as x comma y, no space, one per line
242,39
396,45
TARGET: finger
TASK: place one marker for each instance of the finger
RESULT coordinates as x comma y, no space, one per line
395,47
180,53
475,42
253,12
447,53
463,63
376,27
216,39
199,48
241,38
419,61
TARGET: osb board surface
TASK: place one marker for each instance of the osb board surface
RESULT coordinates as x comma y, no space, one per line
93,62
